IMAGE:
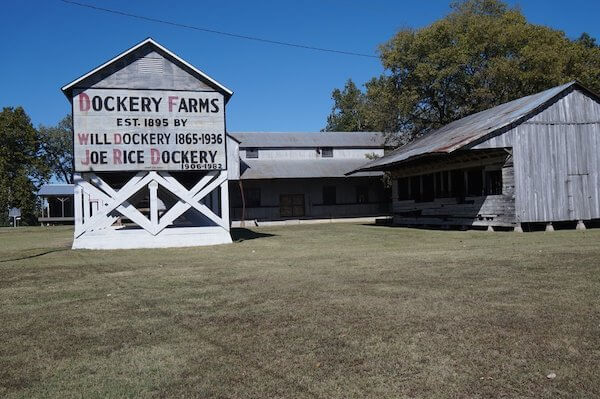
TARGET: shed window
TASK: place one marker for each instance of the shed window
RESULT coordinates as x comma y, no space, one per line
327,152
415,188
475,182
493,182
329,197
403,189
252,197
441,185
457,179
251,152
362,194
428,193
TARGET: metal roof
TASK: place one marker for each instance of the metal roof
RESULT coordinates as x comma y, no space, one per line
304,168
56,189
460,133
305,139
151,42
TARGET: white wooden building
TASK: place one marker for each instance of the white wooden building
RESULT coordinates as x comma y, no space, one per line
150,153
534,160
283,176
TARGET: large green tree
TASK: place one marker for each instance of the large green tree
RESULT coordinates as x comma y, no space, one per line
57,148
482,54
22,166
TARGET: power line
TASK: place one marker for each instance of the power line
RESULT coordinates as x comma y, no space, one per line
201,29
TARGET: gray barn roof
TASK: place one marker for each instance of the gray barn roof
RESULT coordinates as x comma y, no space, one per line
301,168
56,189
473,128
317,139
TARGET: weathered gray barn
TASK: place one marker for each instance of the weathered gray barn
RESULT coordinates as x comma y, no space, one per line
285,176
532,160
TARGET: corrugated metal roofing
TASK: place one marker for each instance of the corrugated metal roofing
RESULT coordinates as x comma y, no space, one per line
462,132
317,139
305,168
57,189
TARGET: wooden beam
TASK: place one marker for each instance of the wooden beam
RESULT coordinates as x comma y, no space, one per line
225,203
153,188
450,163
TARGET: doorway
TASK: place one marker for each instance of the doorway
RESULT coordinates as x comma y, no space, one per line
291,205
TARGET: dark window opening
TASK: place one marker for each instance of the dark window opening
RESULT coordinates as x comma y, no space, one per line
362,194
251,152
403,189
252,197
60,206
441,185
475,182
428,193
457,181
493,182
415,188
329,197
327,152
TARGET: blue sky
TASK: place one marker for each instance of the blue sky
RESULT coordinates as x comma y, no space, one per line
46,44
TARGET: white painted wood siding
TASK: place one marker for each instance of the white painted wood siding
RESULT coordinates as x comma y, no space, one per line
311,153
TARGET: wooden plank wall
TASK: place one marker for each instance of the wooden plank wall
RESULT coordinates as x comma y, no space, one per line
557,161
143,69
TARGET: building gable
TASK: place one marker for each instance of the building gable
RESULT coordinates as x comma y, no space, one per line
577,106
143,69
148,64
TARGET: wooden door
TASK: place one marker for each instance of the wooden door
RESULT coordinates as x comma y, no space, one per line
580,201
578,189
291,205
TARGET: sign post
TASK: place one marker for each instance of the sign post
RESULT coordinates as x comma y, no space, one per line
15,214
150,157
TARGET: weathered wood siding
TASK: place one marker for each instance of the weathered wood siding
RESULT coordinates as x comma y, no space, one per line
557,161
233,158
489,210
142,69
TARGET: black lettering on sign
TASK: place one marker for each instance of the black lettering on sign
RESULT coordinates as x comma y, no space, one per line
146,104
183,106
204,105
193,105
97,103
106,103
215,106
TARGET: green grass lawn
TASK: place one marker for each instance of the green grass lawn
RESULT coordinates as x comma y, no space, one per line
319,311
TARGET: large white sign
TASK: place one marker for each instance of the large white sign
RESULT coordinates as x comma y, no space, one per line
119,129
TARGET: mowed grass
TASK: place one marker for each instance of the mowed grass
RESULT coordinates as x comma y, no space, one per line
319,311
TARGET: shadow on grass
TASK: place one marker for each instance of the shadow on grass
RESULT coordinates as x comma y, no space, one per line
241,234
49,251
